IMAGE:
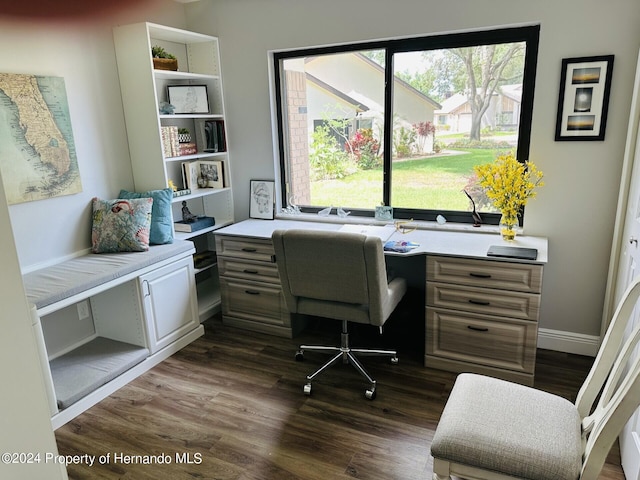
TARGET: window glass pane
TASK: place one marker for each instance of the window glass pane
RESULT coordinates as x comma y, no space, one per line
403,121
334,111
452,109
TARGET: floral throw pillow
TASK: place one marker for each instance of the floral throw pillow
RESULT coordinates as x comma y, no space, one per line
161,220
121,225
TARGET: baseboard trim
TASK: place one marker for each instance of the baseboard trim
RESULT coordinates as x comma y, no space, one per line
568,342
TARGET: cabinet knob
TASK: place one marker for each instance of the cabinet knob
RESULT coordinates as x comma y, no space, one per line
633,240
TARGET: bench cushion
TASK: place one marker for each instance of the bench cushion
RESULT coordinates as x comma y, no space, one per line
66,279
83,370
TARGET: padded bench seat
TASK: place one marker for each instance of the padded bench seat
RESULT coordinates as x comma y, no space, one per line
53,284
83,370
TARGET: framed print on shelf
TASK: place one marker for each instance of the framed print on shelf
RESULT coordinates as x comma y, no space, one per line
188,99
211,173
585,86
261,201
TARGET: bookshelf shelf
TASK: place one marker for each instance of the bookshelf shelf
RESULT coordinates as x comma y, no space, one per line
153,136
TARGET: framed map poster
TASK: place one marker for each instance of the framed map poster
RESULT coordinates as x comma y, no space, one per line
37,151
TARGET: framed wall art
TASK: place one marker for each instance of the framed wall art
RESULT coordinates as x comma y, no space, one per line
261,201
188,98
585,85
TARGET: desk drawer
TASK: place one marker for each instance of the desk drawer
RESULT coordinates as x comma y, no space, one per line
481,340
248,270
249,249
488,301
521,277
254,301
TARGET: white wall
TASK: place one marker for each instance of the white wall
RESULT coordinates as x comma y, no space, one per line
577,206
25,424
83,54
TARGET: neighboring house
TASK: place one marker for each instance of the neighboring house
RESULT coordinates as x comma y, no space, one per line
503,112
351,86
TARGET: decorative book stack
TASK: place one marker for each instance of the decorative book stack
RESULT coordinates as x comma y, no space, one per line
187,149
170,143
199,224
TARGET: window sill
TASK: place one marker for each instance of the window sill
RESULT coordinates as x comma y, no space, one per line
418,224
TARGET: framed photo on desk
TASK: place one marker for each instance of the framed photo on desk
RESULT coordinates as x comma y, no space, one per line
261,201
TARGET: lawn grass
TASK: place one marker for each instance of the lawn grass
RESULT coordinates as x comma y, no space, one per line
434,183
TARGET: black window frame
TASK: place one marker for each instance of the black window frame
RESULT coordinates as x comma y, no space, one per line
527,33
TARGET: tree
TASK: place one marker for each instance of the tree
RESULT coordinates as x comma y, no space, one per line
485,66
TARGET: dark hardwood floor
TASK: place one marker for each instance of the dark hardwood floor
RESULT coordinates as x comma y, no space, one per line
231,403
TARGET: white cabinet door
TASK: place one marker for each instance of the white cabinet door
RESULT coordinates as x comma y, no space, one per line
170,303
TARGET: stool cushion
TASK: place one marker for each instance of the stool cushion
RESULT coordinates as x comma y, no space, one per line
509,428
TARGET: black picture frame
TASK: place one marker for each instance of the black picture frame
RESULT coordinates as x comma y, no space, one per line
188,99
583,100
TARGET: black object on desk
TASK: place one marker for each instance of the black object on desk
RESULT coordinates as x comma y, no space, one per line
512,252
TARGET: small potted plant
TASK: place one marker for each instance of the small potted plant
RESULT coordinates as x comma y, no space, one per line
184,136
163,60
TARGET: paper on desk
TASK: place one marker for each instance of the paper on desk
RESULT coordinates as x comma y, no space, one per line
382,232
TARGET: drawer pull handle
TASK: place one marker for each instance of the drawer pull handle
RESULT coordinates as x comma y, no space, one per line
479,302
252,292
249,249
480,275
477,329
250,271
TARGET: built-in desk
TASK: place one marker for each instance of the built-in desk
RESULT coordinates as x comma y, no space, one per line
481,312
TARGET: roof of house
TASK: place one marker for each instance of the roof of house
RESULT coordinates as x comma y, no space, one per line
457,100
357,104
379,68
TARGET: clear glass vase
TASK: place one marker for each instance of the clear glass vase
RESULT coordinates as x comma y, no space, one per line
508,225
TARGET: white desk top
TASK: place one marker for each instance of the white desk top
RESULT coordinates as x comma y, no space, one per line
459,244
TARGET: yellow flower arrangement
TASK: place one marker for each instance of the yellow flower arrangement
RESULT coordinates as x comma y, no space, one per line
509,184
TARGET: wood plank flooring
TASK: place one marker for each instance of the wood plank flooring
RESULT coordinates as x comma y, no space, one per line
230,406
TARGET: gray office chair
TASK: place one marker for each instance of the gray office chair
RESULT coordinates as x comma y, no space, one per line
341,276
496,430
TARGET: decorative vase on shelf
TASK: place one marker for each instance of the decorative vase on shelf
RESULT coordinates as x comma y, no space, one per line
508,224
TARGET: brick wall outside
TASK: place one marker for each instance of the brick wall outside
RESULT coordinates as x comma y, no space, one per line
296,98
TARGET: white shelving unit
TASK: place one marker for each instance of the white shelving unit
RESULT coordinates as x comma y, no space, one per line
144,89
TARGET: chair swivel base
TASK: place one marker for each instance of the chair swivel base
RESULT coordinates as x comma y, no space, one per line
345,353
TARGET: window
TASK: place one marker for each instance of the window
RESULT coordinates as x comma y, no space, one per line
402,122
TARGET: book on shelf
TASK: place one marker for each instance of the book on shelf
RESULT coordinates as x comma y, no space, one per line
182,193
204,259
187,149
198,224
215,139
190,174
170,143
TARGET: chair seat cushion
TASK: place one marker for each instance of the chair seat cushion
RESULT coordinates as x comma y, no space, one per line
509,428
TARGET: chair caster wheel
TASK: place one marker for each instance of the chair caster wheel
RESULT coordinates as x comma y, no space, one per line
307,389
299,356
370,394
394,360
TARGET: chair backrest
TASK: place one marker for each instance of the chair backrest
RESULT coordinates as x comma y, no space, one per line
614,380
328,266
